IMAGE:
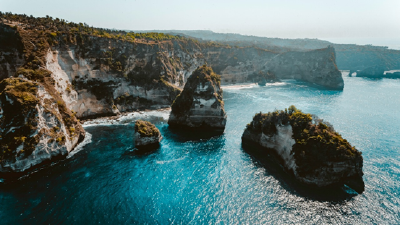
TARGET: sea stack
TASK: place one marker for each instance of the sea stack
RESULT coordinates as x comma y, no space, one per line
309,148
146,134
200,104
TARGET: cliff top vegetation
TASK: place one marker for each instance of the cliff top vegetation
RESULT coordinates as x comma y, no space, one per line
55,26
146,129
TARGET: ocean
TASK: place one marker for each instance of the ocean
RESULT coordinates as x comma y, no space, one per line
203,179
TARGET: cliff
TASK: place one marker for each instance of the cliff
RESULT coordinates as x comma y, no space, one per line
92,72
349,56
34,127
316,66
101,72
200,104
310,149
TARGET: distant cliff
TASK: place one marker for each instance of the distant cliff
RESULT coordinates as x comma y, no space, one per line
349,56
99,75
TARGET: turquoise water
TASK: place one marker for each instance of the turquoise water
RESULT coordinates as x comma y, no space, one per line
203,180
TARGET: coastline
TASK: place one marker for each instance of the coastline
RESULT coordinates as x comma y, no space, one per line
239,86
126,117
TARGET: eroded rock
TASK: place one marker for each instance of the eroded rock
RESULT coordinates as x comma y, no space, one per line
309,148
200,105
146,134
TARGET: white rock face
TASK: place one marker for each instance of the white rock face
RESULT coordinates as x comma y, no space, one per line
53,138
54,64
334,172
91,88
282,143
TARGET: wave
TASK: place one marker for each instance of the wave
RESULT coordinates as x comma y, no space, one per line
128,118
172,160
239,86
87,140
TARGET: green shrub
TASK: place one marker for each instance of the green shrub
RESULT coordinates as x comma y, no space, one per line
146,129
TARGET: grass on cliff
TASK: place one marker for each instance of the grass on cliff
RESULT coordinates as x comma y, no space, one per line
71,32
316,140
146,129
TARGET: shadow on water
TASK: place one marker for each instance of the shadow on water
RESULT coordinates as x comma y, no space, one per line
184,135
142,151
268,160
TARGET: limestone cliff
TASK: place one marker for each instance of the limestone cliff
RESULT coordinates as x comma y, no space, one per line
309,149
34,127
316,66
100,76
93,72
200,105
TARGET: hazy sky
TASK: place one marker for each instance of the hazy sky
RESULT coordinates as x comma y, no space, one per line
346,20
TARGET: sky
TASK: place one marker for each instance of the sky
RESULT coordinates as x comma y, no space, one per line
341,21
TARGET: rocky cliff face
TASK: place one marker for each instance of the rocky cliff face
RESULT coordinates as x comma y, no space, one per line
152,76
316,66
314,153
89,73
34,127
11,51
200,104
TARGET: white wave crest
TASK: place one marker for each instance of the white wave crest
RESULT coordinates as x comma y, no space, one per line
87,140
128,118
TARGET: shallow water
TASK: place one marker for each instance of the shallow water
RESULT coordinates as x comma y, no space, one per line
203,180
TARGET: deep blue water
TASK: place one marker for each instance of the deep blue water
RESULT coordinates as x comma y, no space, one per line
191,180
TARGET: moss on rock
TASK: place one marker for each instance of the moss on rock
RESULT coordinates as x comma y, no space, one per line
146,129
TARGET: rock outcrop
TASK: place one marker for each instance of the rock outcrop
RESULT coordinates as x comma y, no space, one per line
372,72
35,128
146,134
200,104
309,148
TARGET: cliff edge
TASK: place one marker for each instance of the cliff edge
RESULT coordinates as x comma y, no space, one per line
315,66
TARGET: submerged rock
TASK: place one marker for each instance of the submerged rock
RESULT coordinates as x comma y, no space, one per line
146,134
200,104
309,148
35,128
